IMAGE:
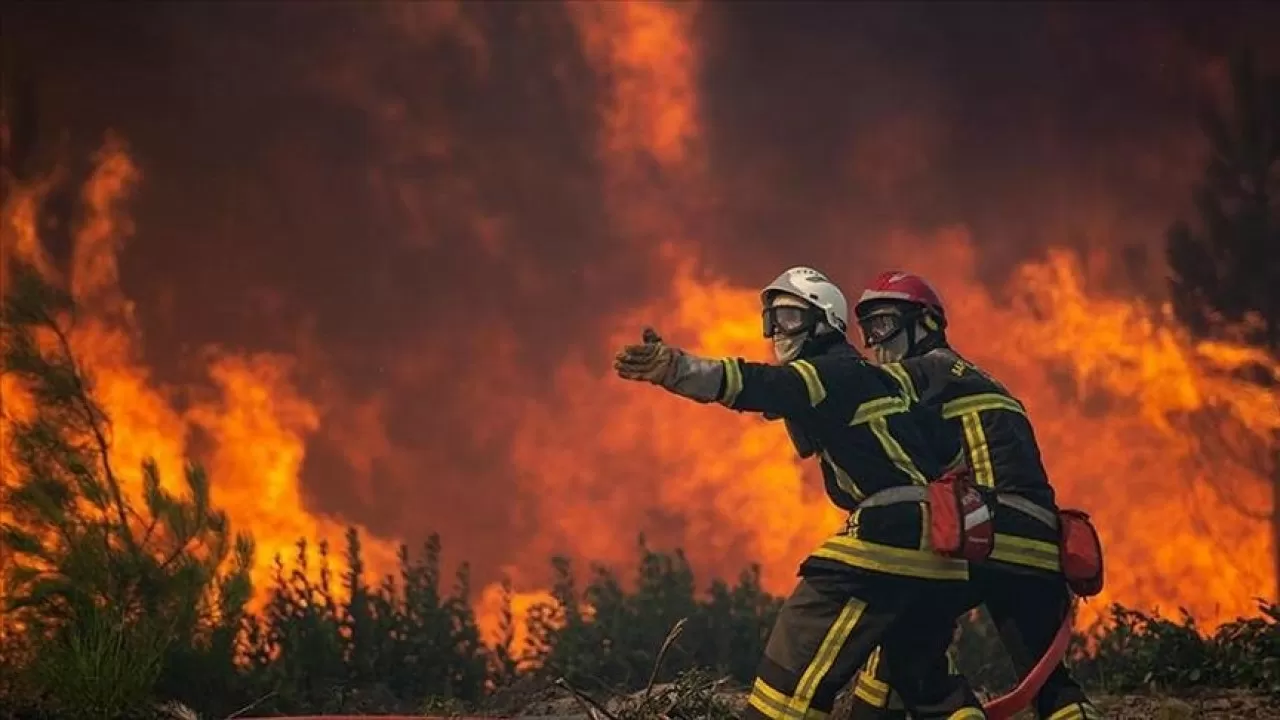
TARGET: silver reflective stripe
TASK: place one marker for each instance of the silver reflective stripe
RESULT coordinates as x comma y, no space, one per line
1026,507
918,493
698,378
895,495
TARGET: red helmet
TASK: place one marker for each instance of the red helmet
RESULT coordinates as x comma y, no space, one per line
904,287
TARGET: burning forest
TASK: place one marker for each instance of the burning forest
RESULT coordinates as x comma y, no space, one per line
367,264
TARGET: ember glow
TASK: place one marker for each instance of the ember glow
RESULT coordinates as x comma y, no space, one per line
422,311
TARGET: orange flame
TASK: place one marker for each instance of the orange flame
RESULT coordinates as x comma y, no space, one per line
257,420
645,51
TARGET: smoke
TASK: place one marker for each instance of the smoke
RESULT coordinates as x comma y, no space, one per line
442,210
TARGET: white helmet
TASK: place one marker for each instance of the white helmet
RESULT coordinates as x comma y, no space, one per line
814,288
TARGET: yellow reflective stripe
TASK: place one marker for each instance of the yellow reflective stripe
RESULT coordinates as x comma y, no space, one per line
975,441
1077,711
1070,712
826,655
771,703
1016,550
907,562
872,691
844,480
875,414
903,377
984,402
732,381
812,383
880,426
877,409
968,713
775,705
969,409
953,667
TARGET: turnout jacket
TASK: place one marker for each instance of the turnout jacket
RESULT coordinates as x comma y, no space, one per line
1000,447
869,435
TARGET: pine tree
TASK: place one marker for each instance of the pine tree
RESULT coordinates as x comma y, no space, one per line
104,587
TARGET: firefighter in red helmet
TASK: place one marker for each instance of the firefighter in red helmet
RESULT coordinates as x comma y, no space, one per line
904,322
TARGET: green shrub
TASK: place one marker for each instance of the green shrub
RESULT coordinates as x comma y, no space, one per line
1133,650
386,648
103,666
614,644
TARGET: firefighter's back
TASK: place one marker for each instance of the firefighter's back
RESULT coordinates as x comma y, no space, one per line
1000,447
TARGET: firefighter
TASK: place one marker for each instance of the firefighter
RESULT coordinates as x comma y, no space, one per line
856,587
903,321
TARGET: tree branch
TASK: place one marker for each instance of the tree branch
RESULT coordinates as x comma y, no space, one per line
99,436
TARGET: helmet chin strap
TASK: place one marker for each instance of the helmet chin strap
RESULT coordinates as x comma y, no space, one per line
893,350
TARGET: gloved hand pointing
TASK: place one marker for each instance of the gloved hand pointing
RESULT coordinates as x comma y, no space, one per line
653,361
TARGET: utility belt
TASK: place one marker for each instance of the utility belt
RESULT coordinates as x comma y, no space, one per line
961,525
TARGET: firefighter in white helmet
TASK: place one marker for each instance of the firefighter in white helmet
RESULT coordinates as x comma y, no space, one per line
859,585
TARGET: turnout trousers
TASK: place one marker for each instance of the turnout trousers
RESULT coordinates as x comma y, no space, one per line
1027,610
830,626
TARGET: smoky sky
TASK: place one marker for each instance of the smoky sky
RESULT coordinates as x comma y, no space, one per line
398,201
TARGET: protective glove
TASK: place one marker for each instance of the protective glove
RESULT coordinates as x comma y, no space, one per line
652,361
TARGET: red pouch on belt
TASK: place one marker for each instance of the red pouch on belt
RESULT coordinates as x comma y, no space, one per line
960,518
1080,550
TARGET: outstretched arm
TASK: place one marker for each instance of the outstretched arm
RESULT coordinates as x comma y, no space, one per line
786,391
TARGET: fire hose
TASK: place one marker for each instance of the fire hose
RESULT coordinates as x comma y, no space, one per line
1021,697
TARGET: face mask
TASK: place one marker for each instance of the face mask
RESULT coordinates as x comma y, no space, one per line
787,347
892,350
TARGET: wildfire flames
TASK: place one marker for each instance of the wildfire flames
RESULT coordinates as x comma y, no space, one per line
257,420
1118,392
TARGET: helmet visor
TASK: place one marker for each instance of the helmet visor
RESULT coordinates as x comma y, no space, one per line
787,319
881,326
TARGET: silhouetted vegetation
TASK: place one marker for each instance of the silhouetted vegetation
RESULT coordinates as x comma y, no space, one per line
1137,651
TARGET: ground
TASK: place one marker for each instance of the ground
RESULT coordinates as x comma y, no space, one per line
1220,705
1206,705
